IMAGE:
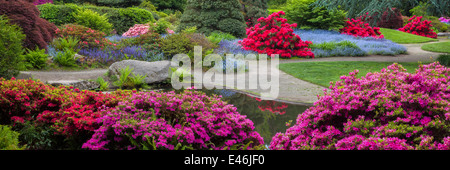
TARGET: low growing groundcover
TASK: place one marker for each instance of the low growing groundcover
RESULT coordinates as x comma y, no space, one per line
322,73
403,37
442,47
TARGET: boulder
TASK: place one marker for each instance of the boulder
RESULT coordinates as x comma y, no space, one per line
155,72
82,85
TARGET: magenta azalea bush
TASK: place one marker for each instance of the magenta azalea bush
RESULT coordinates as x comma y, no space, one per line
389,110
167,121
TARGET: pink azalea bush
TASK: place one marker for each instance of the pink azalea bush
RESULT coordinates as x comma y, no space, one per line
168,121
137,29
387,110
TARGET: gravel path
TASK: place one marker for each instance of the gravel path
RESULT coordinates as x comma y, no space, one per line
291,88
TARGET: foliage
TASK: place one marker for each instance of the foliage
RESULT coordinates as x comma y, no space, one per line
40,2
418,27
9,140
184,43
253,10
66,42
162,27
217,37
104,85
120,18
130,82
26,15
211,16
444,59
36,58
11,50
358,28
168,120
393,21
272,35
308,17
66,58
387,110
93,20
88,38
178,5
58,14
118,3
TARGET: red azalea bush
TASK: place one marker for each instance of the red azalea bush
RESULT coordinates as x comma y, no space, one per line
272,35
167,121
359,28
88,37
418,27
391,109
69,111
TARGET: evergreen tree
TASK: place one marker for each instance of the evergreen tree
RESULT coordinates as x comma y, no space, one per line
253,10
214,15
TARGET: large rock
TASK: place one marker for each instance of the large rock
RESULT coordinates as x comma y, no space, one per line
155,71
81,85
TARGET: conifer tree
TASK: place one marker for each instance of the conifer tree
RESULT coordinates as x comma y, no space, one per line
214,15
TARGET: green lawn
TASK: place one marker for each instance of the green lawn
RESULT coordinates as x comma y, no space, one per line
321,73
403,37
443,47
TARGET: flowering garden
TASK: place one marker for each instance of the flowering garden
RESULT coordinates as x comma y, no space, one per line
387,109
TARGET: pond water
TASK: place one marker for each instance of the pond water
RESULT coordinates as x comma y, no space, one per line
269,117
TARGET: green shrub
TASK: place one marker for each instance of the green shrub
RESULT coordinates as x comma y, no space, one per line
36,58
177,5
58,14
444,59
444,28
211,16
300,12
253,10
11,50
184,43
66,58
118,3
9,140
121,18
91,19
66,42
161,26
216,37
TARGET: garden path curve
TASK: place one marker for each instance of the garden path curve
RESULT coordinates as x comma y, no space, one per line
291,89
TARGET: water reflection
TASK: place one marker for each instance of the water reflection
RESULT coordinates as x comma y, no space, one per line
269,117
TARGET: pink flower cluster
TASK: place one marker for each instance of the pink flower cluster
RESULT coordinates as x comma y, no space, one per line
444,20
387,110
137,29
273,35
418,27
165,120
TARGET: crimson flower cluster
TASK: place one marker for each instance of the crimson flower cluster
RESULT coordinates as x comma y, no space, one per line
359,28
387,110
272,35
418,27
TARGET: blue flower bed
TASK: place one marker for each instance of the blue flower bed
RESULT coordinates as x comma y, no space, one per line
368,45
133,52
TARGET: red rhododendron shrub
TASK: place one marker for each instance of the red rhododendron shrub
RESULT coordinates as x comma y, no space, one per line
69,111
88,37
25,14
168,121
272,35
418,27
387,110
359,28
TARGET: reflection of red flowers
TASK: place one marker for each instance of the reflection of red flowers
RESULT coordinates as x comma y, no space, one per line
271,106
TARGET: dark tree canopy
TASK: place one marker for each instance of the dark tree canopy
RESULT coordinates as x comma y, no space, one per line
253,10
214,15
